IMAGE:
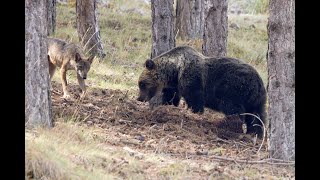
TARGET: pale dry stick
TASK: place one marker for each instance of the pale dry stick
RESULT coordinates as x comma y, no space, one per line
78,103
92,47
174,95
237,147
237,163
35,63
176,34
181,124
189,42
85,34
241,152
242,144
125,95
265,161
163,127
124,121
72,36
245,145
117,165
220,139
26,123
152,127
149,130
159,145
279,160
264,128
100,114
84,47
86,117
76,112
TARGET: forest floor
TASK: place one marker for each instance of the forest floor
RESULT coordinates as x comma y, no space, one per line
110,135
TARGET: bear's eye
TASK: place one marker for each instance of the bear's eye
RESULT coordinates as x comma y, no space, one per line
142,85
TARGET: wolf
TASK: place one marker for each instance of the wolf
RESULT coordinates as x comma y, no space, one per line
68,56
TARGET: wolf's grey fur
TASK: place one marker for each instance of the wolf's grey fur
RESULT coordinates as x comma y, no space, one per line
68,56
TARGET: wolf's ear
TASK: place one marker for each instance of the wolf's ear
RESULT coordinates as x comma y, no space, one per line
150,64
90,59
78,57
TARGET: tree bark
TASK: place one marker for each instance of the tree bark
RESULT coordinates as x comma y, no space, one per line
51,16
37,94
189,19
281,79
215,28
87,27
162,26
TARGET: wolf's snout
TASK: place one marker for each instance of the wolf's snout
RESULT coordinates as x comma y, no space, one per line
84,77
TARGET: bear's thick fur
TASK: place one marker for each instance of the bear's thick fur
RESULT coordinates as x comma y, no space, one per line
224,84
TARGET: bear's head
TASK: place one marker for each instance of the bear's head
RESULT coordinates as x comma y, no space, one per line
149,83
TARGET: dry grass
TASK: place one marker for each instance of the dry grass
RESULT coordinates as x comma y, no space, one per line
69,151
74,151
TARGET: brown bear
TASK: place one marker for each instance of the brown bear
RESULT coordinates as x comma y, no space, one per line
223,84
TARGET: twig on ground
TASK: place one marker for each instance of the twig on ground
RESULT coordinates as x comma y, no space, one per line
124,121
264,161
117,165
264,128
181,124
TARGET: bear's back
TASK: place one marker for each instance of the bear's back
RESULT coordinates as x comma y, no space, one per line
233,78
225,65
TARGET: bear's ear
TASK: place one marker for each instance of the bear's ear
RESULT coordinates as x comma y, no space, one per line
150,64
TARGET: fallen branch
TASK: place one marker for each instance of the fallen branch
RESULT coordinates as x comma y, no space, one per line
124,121
263,127
265,161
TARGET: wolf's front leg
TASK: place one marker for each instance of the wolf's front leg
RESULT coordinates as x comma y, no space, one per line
82,86
63,72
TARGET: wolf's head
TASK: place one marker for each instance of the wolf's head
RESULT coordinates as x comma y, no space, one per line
83,65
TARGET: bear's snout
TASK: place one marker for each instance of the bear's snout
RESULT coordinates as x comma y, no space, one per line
140,99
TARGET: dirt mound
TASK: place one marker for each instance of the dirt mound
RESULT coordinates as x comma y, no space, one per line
165,129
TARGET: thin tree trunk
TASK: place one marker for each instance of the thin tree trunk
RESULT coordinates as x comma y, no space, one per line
37,94
189,19
51,16
281,81
88,29
162,26
215,28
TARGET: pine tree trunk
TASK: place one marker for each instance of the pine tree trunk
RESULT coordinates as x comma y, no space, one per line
37,93
189,19
281,81
215,28
88,29
162,26
51,16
